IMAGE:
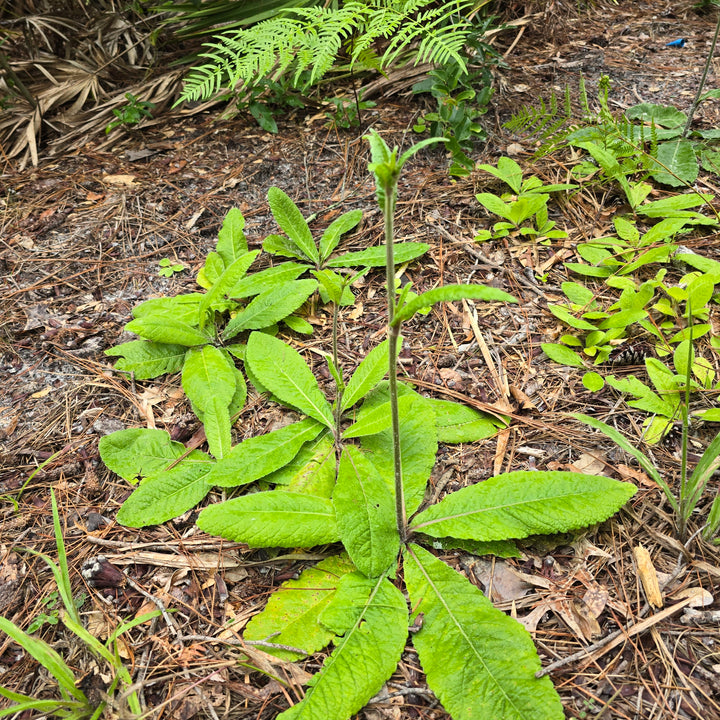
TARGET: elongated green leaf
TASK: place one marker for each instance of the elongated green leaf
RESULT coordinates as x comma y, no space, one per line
265,279
666,206
370,422
507,170
478,661
139,452
363,659
181,307
293,610
499,548
284,373
449,293
418,448
365,513
271,306
211,271
46,656
283,246
369,373
224,284
168,494
51,708
232,243
331,237
707,465
208,375
494,204
261,455
312,470
292,223
163,329
457,423
562,313
148,359
518,504
375,256
273,519
216,421
562,354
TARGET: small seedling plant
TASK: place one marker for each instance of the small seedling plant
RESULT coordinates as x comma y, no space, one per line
130,114
73,702
354,473
525,210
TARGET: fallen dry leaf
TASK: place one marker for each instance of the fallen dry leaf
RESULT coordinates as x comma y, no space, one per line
648,576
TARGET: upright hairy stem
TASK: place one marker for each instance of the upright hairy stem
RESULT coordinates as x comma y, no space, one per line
394,333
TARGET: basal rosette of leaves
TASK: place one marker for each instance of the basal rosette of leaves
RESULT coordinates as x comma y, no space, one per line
353,473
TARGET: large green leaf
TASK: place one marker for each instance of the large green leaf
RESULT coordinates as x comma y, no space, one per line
375,256
478,661
449,293
261,455
168,494
369,373
273,519
224,284
562,354
164,329
364,658
148,359
284,373
208,375
291,615
271,306
370,422
331,237
139,452
677,164
265,279
365,514
216,421
457,423
181,307
292,223
231,242
312,470
518,504
418,448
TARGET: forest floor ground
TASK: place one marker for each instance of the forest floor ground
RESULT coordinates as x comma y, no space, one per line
81,239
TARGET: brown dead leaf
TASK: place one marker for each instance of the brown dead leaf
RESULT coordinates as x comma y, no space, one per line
590,464
637,476
648,576
122,180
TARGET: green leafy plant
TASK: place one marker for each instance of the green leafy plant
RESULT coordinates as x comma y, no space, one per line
355,471
692,487
168,268
528,202
130,114
459,101
73,703
197,335
346,113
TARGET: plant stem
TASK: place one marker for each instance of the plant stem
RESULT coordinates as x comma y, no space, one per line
686,504
338,408
696,101
393,333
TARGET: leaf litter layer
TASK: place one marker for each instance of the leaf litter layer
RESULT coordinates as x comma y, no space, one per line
83,239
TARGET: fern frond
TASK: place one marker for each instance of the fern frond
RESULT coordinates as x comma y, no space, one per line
306,42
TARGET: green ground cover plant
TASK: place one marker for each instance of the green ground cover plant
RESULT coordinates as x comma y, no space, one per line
73,703
353,473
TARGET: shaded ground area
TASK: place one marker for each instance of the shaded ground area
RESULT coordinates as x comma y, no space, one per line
81,238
